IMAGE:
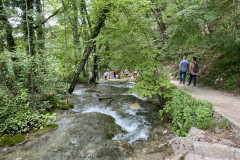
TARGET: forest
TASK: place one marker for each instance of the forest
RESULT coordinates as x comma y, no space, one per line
49,46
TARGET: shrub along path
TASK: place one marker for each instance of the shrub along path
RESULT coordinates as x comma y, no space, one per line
225,104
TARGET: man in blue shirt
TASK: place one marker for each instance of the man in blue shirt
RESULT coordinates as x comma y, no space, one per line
183,66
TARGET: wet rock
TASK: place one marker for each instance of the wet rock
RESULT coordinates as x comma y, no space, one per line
92,91
135,106
124,147
104,98
165,132
68,154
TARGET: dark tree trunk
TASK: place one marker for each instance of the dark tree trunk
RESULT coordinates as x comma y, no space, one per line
40,32
31,28
8,37
89,48
160,100
158,16
3,67
84,10
8,28
94,70
75,30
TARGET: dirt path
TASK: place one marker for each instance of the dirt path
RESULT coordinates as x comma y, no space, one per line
224,103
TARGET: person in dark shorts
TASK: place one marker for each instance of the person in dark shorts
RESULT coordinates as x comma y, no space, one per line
193,75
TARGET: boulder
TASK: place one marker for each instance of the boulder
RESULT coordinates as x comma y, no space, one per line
185,144
214,150
135,106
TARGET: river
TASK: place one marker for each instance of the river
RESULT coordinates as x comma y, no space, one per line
100,126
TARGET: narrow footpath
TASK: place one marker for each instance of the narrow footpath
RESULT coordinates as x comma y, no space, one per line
225,104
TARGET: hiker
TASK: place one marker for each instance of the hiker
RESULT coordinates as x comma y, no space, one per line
193,72
121,74
116,73
183,66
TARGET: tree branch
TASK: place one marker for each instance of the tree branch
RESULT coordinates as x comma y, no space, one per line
56,12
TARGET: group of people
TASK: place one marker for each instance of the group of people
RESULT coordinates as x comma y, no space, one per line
193,69
111,74
116,74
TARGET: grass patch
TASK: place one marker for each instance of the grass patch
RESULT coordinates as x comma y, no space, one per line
47,128
65,107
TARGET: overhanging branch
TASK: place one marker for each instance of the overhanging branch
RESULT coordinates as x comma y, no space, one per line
56,12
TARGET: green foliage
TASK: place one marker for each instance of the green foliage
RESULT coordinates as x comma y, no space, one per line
224,123
16,115
231,82
66,106
53,100
161,115
187,112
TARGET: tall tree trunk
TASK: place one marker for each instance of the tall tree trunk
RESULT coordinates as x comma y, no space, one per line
158,16
40,32
90,46
84,10
234,19
11,46
3,68
75,31
31,28
94,70
8,29
160,100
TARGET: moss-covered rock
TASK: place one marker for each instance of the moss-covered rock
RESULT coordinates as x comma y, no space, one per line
6,140
66,106
47,128
18,138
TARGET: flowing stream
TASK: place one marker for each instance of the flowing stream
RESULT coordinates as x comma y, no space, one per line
100,126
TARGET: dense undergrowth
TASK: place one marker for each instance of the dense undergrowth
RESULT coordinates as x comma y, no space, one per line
186,112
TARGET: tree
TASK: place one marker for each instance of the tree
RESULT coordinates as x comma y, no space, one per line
90,45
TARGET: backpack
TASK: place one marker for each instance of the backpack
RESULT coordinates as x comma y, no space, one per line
196,68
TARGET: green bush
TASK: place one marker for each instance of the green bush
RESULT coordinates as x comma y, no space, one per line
230,82
53,100
186,112
17,116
